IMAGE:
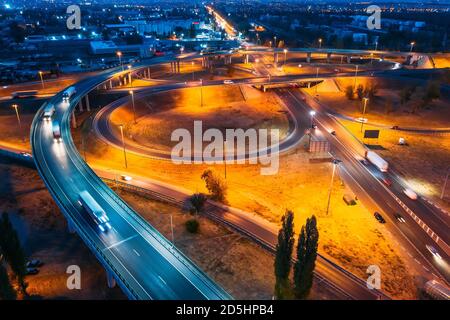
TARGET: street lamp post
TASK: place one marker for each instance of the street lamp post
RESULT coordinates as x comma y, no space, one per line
192,63
364,112
285,53
201,92
119,54
320,43
356,75
42,79
16,108
132,103
376,45
412,46
123,145
225,158
275,41
335,164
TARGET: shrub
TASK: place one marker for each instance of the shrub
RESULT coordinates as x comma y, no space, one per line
192,226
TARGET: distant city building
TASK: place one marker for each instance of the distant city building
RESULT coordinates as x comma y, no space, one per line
360,38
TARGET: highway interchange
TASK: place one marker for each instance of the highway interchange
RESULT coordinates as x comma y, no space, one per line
147,266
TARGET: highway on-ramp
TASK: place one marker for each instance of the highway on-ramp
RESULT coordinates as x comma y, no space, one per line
136,255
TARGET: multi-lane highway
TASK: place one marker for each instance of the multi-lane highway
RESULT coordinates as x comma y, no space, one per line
145,264
137,256
365,181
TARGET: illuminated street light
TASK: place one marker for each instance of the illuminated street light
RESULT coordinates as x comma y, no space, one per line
119,54
275,41
412,44
42,79
123,145
192,63
335,162
376,45
132,102
320,43
364,111
285,53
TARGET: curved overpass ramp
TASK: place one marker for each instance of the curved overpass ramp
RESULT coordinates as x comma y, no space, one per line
135,255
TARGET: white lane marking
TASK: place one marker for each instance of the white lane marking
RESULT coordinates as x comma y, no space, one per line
137,253
162,280
120,242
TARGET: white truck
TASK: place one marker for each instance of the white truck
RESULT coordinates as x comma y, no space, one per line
56,131
68,93
48,112
377,161
95,211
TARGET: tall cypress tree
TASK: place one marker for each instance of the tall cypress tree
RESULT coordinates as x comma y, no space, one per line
12,250
306,258
7,292
283,255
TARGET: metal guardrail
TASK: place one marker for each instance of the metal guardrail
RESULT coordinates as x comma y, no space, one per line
266,245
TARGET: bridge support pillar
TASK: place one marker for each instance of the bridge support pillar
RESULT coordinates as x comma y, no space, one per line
74,121
178,66
88,105
149,73
129,78
80,105
308,57
110,279
349,59
328,57
110,84
70,227
246,58
275,58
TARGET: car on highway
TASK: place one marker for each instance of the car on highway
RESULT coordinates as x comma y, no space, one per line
410,194
400,218
228,82
34,263
387,181
433,251
32,271
364,162
25,154
126,178
379,217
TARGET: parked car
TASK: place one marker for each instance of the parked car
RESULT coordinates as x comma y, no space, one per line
32,271
379,217
228,81
34,263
